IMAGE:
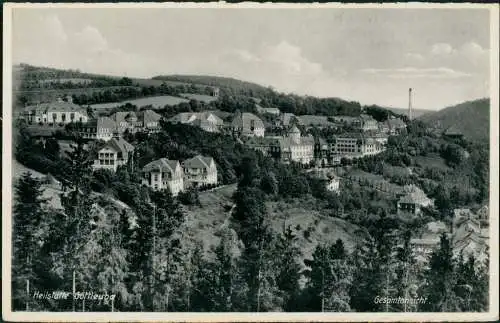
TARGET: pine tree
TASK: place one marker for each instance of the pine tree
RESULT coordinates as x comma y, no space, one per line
441,279
222,275
288,269
252,227
407,275
472,285
28,235
330,278
369,277
338,298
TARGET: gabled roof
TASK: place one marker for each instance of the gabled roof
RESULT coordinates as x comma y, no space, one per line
287,142
148,116
395,123
183,117
56,107
286,118
124,116
119,145
191,117
198,162
161,165
244,121
414,195
106,122
294,130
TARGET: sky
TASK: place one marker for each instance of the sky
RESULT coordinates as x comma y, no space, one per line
367,55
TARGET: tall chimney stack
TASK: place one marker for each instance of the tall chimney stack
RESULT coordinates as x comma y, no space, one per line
410,108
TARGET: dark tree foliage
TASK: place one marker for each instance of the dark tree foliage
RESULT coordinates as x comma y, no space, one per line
441,277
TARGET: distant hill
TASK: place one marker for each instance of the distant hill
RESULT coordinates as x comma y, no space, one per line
472,118
416,112
217,81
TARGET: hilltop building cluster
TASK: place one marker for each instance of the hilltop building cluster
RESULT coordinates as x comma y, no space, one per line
368,137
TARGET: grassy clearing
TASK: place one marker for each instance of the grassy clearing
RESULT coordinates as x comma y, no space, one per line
312,227
204,222
431,162
157,102
198,97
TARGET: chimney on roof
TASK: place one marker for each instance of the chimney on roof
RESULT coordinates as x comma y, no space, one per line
410,107
69,99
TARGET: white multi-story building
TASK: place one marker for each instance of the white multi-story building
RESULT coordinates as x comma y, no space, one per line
356,145
59,112
296,148
164,174
116,152
200,171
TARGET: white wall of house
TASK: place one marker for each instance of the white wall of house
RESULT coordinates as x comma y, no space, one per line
259,132
174,183
107,159
302,153
201,176
65,117
104,134
333,185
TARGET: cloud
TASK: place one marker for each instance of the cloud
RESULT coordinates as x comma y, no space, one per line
90,39
416,57
290,58
442,49
49,43
413,72
282,65
474,52
52,27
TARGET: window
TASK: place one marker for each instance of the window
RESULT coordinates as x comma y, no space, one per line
156,177
111,162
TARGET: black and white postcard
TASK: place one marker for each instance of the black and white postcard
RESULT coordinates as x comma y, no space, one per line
250,162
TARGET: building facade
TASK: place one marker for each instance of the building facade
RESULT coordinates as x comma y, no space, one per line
367,123
207,120
413,200
102,128
200,171
145,121
116,152
247,124
164,174
296,148
353,145
59,112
